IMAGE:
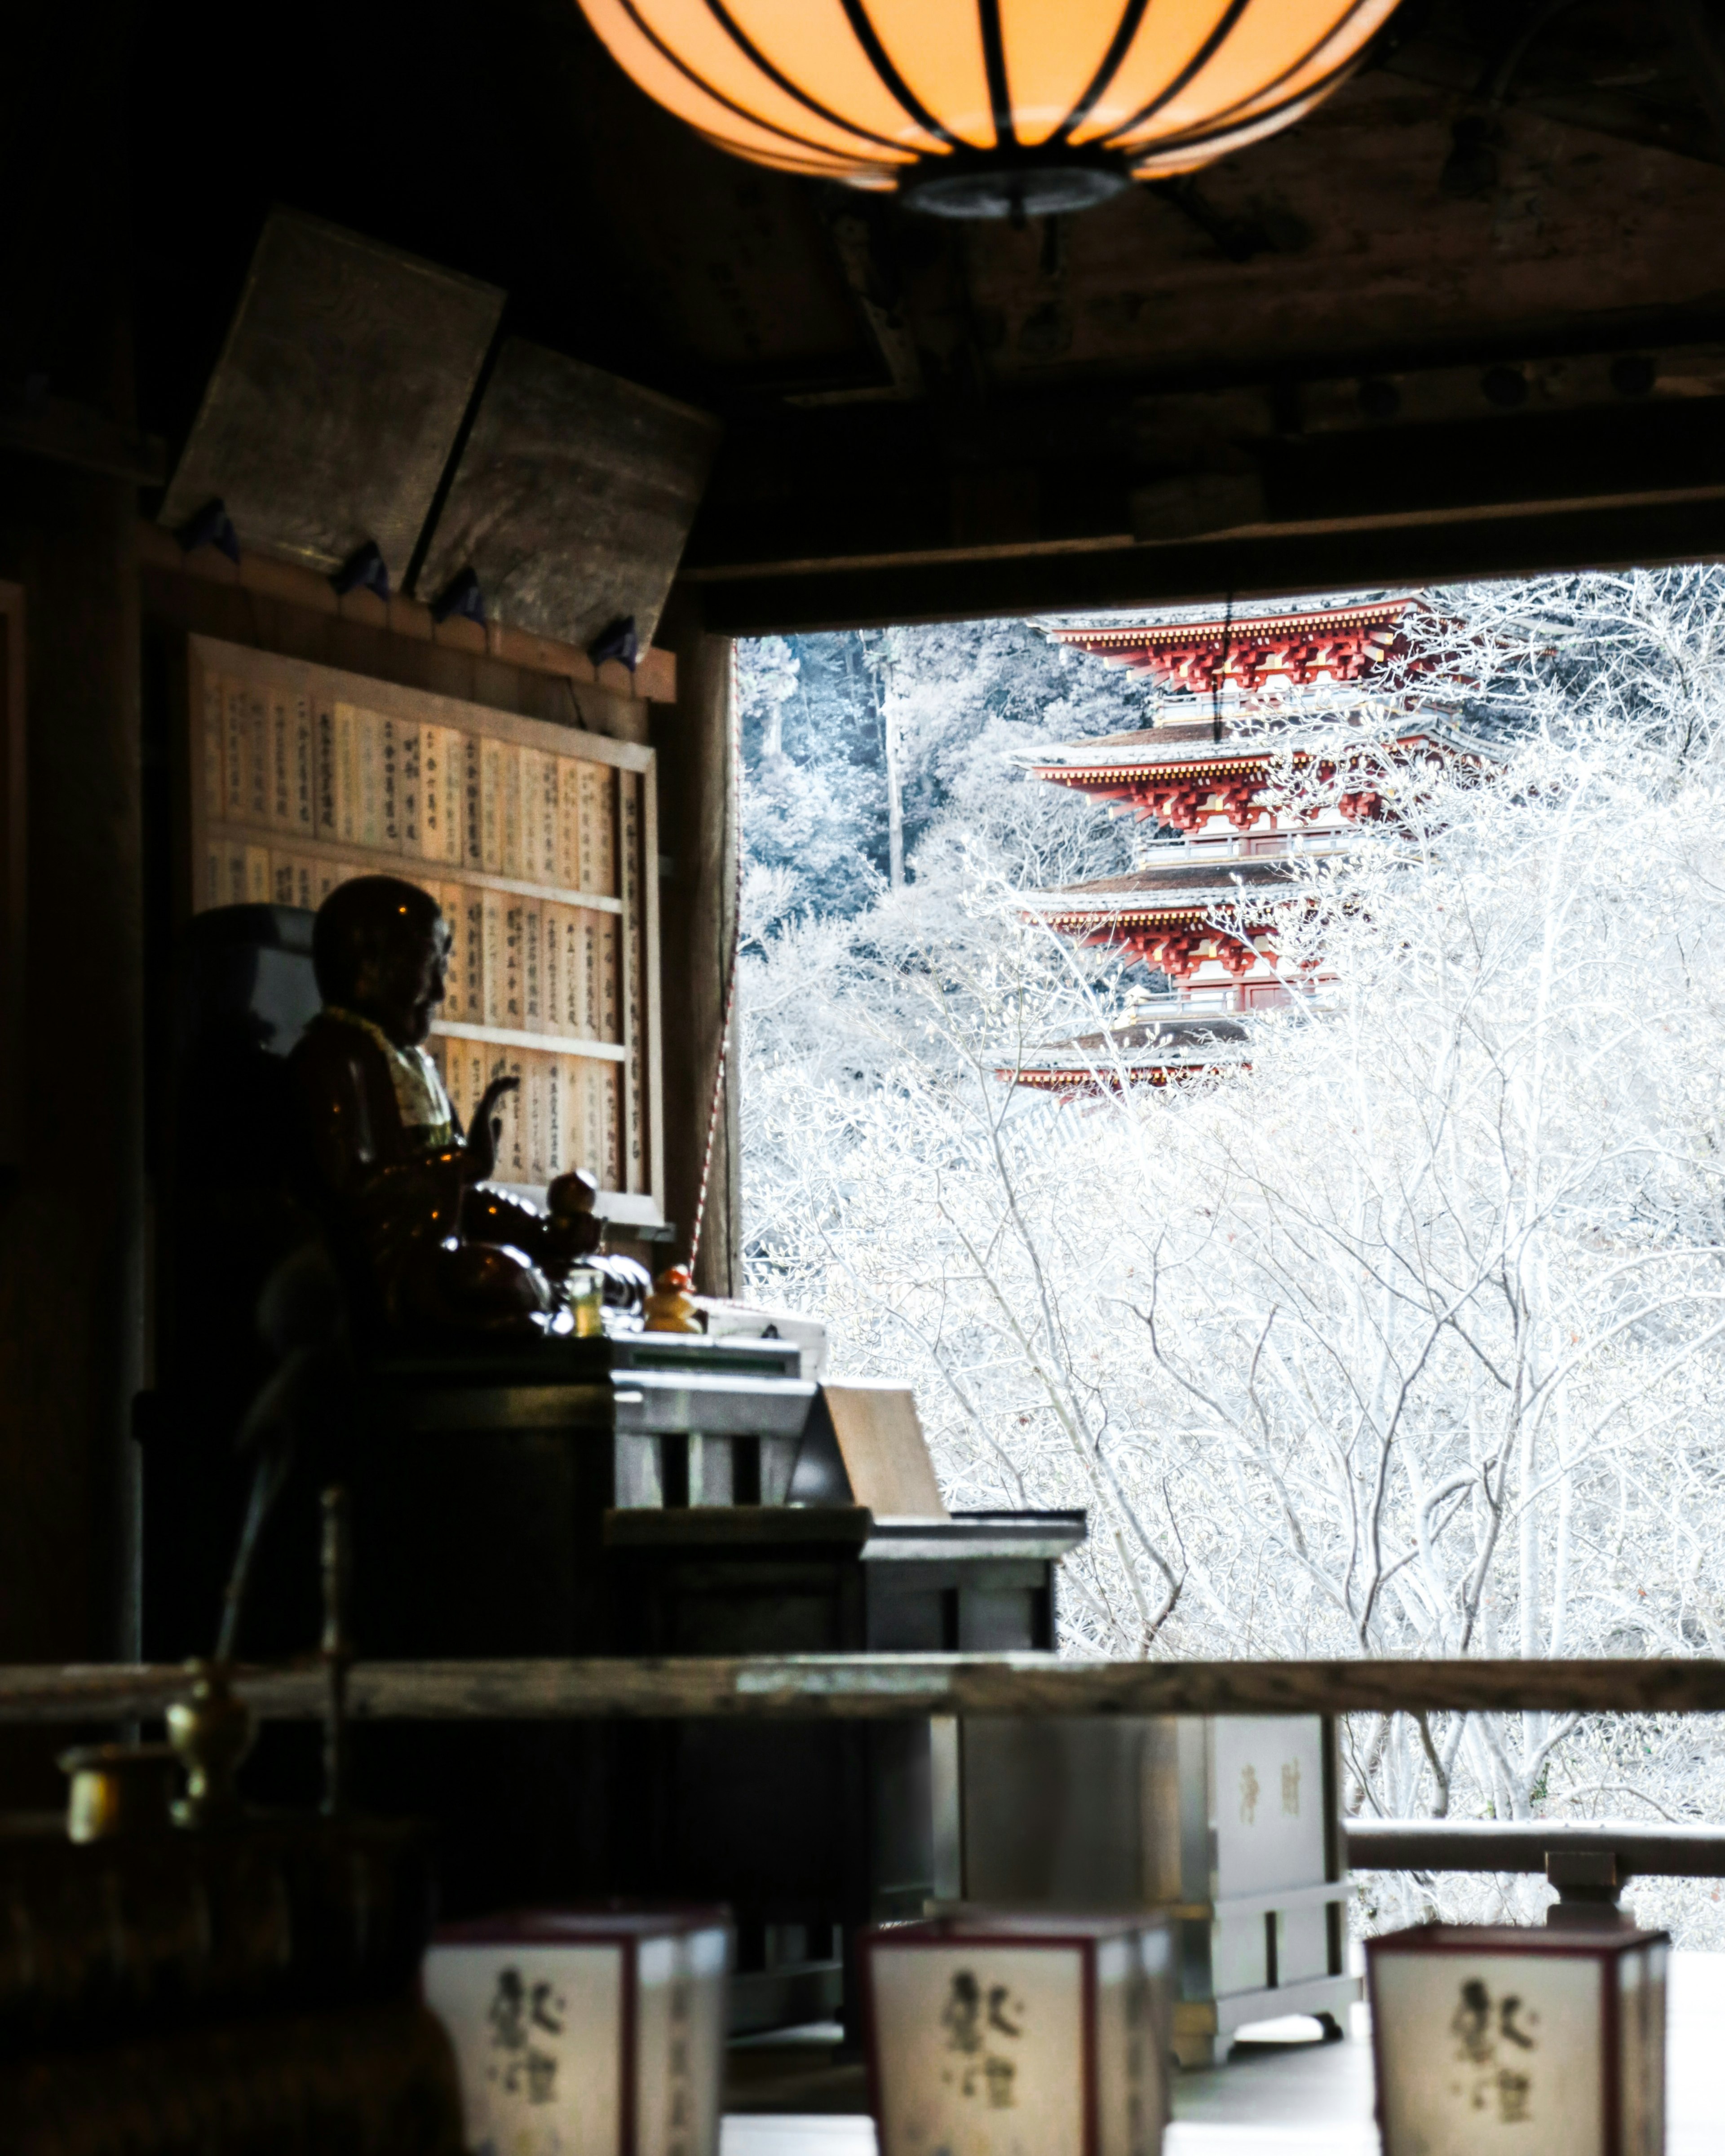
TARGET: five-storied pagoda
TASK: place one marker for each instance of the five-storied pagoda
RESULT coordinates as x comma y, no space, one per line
1197,909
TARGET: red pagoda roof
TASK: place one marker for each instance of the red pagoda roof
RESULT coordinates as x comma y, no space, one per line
1071,1081
1253,652
1193,891
1157,1051
1204,751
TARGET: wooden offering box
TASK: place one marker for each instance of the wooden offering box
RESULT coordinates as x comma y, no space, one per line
1229,1823
1497,2037
992,2033
586,2032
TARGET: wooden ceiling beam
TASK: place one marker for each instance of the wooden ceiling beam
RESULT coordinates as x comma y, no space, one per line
1516,539
860,513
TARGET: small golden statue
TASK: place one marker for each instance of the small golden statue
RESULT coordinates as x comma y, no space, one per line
671,1307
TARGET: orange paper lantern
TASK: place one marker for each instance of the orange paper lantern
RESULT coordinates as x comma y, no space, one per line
988,108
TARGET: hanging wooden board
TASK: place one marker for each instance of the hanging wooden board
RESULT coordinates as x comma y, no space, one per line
334,408
573,497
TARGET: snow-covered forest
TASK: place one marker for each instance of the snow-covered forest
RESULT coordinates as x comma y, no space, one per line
1407,1338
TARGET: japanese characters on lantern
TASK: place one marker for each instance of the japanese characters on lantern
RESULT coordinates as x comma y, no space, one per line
1498,2037
996,2033
583,2033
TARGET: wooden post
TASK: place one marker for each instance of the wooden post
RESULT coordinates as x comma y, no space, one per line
698,841
72,1219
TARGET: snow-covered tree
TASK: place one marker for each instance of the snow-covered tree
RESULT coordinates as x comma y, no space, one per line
1409,1338
820,713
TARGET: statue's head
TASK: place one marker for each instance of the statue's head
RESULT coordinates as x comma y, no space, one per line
380,946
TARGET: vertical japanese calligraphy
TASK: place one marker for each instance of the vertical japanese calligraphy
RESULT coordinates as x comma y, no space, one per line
300,778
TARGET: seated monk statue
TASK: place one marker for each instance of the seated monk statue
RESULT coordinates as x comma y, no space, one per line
395,1180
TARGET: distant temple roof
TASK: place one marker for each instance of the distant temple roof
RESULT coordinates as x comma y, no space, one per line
1250,651
1285,751
1183,890
1186,881
1143,1051
1123,764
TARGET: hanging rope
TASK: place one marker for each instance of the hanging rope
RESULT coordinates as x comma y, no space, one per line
1221,672
735,832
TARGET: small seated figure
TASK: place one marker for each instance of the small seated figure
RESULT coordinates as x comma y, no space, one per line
671,1307
384,1164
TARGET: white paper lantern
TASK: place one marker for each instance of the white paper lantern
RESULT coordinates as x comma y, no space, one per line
1497,2037
998,2033
586,2032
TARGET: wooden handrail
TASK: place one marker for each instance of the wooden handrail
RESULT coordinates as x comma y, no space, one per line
874,1687
1640,1848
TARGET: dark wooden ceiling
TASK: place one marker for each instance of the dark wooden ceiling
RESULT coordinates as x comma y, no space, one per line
1470,316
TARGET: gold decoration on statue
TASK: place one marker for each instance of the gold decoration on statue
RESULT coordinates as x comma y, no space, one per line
988,108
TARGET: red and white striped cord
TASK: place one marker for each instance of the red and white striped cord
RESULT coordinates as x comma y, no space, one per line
720,1069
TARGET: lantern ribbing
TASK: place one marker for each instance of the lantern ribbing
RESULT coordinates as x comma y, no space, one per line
976,108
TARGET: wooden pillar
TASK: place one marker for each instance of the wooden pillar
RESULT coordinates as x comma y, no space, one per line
698,843
72,1211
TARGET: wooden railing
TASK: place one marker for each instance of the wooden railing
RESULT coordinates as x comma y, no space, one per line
876,1688
1638,1848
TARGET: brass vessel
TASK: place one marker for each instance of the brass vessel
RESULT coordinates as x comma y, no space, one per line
117,1789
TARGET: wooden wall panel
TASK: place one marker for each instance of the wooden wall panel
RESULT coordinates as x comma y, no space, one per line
14,843
297,777
73,1208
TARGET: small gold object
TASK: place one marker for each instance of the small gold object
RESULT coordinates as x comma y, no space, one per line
671,1307
117,1789
211,1732
586,1294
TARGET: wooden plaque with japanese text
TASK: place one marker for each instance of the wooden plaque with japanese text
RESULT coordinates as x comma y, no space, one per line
535,840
